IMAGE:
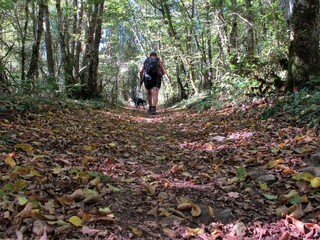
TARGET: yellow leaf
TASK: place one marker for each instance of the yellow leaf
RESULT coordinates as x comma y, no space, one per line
164,212
304,199
75,220
112,144
95,181
88,148
273,163
192,232
10,161
136,231
196,210
19,185
89,159
105,211
315,183
282,144
24,147
56,170
263,186
22,200
299,138
34,172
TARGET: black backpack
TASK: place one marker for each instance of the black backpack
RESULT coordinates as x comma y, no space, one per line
152,65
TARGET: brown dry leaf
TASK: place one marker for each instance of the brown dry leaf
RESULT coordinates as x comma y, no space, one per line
273,163
65,201
90,231
92,198
300,225
184,206
196,210
153,211
77,195
298,212
211,212
87,159
192,232
26,212
234,194
171,234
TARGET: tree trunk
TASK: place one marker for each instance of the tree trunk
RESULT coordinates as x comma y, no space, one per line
250,31
234,34
65,52
78,18
89,78
23,41
304,43
32,73
49,49
209,78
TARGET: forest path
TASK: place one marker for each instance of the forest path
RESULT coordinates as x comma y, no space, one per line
122,174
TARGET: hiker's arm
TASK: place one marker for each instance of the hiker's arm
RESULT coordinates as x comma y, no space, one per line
141,71
162,70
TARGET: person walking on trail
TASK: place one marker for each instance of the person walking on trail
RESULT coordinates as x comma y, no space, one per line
151,74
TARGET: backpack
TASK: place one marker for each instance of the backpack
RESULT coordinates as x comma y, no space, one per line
152,65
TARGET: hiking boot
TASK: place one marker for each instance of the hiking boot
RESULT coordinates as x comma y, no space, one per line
153,110
150,110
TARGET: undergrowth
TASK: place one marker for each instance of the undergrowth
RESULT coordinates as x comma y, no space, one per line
38,104
301,107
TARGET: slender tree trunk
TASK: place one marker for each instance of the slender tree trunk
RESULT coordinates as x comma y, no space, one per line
234,34
23,40
250,31
32,73
66,58
78,32
304,43
50,58
209,81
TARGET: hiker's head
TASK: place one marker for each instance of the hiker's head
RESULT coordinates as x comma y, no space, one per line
153,54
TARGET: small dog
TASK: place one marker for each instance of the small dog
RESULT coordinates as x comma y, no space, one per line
138,102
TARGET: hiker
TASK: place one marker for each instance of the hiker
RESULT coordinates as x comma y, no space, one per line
151,74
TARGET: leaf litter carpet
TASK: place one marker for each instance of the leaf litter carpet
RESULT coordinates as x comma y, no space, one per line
121,174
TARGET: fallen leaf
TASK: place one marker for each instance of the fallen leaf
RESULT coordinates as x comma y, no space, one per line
315,183
75,221
196,210
234,194
105,211
273,163
22,200
270,196
136,231
192,232
24,147
10,162
240,229
184,206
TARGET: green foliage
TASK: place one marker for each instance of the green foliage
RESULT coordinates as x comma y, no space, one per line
301,107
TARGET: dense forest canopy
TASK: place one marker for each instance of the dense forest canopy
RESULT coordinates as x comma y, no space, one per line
93,49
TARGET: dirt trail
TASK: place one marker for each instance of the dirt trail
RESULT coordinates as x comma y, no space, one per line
175,175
